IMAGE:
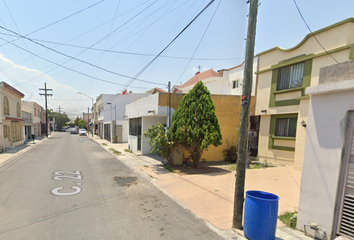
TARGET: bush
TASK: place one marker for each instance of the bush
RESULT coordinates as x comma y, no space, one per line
230,153
160,142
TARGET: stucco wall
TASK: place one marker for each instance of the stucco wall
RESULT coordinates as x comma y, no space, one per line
146,122
308,48
322,157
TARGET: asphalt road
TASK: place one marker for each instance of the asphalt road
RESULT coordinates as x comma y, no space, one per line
68,187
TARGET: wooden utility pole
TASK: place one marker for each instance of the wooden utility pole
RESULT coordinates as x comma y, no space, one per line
45,94
244,117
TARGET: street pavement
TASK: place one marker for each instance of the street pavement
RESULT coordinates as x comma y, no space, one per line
70,187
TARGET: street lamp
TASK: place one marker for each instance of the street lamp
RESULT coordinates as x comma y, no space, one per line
91,111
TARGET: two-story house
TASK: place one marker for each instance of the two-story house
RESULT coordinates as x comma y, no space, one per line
110,119
11,122
283,76
35,109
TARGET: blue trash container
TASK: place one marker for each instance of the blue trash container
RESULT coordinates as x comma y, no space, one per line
260,215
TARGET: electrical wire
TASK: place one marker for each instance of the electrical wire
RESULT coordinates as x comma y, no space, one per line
303,19
62,19
169,44
128,53
73,70
201,39
77,59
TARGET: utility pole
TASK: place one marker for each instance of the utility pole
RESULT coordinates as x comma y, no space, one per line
169,104
45,94
59,108
88,116
244,117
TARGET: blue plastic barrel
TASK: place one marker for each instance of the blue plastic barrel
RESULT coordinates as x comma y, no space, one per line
260,215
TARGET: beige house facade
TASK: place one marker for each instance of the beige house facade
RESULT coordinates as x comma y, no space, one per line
11,121
36,110
283,76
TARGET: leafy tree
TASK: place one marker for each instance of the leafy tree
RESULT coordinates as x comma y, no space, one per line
195,125
82,124
159,141
60,119
77,121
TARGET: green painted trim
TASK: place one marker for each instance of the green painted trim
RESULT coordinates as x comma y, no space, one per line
306,82
289,102
273,120
351,53
348,20
283,138
310,56
289,90
298,59
273,88
303,97
284,148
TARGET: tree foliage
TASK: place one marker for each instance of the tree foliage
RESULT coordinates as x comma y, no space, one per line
77,121
195,124
159,141
60,119
82,124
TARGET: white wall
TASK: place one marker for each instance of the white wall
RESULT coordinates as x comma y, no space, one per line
146,122
133,143
141,107
125,129
323,149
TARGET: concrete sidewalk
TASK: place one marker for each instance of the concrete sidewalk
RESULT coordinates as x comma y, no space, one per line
210,196
11,153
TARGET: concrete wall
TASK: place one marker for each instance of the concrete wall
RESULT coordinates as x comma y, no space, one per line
322,158
146,122
125,129
133,143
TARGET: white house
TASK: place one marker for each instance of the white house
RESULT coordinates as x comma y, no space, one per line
110,110
327,184
223,82
35,109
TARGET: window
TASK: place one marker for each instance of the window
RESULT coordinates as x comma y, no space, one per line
6,131
18,110
290,76
6,106
34,110
285,127
135,126
235,84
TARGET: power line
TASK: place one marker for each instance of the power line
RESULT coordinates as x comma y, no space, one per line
169,44
303,19
129,53
73,70
55,22
201,39
77,59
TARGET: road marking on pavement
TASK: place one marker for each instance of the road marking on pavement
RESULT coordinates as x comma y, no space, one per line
55,191
60,175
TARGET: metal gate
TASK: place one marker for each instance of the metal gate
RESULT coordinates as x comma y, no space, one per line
345,215
107,132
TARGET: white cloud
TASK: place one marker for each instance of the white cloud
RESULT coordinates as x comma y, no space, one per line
28,81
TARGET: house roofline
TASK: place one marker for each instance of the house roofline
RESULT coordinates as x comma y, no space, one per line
348,20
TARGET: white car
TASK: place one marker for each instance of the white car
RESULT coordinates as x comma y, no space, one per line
82,132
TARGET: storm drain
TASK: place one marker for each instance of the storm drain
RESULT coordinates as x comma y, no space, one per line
125,181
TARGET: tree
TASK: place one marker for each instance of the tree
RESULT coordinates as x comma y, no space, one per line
61,119
195,125
159,142
77,121
82,124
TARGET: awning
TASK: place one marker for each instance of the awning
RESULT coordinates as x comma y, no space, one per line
90,124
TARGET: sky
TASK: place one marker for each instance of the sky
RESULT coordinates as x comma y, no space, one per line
104,46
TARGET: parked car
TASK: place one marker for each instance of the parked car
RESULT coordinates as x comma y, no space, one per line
63,129
74,131
82,132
